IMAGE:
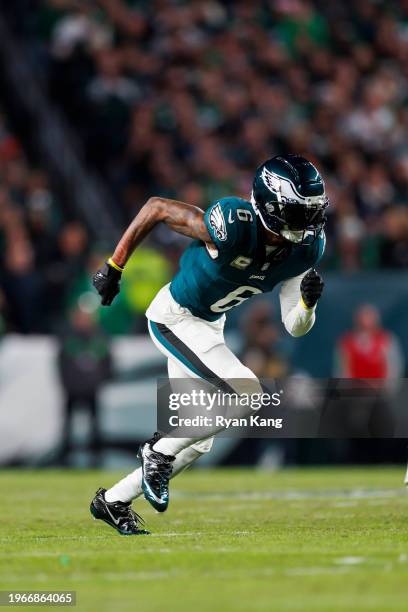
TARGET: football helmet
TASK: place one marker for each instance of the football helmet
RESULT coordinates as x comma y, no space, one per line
288,195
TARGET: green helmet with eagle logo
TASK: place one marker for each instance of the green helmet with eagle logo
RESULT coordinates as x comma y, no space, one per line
289,197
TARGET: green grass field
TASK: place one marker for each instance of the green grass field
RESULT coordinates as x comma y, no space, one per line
231,540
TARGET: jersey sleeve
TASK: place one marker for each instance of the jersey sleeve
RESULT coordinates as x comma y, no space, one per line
224,223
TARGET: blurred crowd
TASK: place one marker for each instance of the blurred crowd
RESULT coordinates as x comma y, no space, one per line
34,245
184,100
47,259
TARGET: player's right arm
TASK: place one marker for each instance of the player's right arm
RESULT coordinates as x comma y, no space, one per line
179,216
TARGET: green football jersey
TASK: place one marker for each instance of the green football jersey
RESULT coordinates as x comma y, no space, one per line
212,280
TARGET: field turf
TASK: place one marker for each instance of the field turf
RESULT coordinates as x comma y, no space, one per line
231,540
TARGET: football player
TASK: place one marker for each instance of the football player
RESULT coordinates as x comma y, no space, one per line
240,249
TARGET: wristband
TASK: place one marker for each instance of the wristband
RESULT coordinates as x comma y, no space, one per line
115,265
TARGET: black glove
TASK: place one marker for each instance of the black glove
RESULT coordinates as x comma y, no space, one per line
311,288
107,283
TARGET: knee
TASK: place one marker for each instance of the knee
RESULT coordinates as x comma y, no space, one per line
245,382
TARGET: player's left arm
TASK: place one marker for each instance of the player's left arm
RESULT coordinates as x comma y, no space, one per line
298,299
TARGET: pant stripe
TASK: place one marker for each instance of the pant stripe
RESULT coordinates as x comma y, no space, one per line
184,354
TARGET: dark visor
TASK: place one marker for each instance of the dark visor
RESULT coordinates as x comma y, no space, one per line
299,216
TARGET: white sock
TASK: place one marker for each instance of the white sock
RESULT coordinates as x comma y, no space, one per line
172,446
130,487
126,489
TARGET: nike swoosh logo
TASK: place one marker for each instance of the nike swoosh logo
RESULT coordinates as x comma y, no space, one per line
230,219
116,521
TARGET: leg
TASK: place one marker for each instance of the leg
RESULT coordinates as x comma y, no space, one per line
210,359
200,350
195,450
130,487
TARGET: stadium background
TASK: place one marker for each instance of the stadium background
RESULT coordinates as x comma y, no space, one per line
106,102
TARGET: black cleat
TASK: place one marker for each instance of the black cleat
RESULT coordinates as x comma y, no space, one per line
118,515
157,469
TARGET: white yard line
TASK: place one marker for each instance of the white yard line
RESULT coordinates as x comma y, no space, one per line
315,571
350,560
354,494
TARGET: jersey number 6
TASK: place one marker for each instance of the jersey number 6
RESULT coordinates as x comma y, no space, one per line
244,215
234,298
